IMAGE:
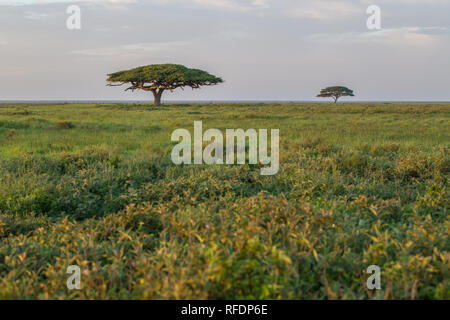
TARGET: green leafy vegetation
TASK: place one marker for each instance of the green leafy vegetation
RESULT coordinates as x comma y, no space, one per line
94,186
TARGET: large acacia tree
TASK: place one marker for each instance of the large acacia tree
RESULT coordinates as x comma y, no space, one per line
335,93
158,78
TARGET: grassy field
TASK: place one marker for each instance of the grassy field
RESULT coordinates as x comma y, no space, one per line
94,186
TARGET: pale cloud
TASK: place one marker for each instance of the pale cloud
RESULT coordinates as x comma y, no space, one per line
261,3
239,5
222,4
35,15
132,49
401,37
407,2
228,5
41,2
324,9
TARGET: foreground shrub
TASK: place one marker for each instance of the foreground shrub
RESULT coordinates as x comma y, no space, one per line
357,189
64,125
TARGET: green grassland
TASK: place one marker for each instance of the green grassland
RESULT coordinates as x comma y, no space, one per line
94,186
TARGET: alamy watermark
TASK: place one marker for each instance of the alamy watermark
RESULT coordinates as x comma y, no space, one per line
374,281
73,22
229,148
74,281
374,20
235,153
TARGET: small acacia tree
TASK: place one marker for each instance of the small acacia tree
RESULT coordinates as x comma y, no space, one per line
335,93
158,78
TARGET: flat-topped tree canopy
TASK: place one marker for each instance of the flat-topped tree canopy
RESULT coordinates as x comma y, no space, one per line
336,93
160,77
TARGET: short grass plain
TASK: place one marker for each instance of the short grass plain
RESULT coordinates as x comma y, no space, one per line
94,186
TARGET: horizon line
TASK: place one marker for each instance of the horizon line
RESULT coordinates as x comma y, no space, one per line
87,101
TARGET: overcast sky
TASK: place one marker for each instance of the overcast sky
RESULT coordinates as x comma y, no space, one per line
263,49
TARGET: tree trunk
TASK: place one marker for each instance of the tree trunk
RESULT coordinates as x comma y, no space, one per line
157,97
336,99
